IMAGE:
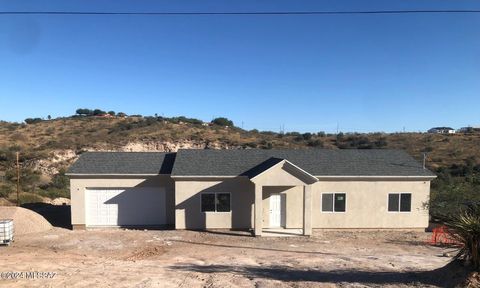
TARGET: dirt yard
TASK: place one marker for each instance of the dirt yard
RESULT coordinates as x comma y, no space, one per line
137,258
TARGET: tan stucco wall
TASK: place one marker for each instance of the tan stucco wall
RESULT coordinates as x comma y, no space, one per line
188,214
366,204
293,197
78,184
278,175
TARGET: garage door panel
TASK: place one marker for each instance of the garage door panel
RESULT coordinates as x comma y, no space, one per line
125,207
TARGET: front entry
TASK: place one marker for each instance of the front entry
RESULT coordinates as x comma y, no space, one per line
275,214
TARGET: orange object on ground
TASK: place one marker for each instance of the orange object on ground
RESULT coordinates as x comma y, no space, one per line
441,236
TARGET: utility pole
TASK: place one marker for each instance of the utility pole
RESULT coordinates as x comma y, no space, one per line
424,160
18,179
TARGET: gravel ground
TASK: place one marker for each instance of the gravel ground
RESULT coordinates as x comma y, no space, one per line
137,258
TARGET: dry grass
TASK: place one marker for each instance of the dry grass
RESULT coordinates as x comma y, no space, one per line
80,133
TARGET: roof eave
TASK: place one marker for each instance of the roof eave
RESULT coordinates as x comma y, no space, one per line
113,174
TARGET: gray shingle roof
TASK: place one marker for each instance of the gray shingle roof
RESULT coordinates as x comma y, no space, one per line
123,163
318,162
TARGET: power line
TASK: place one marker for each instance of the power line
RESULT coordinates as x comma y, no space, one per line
278,13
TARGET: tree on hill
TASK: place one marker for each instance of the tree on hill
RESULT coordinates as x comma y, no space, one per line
84,112
222,121
121,114
33,120
97,112
111,113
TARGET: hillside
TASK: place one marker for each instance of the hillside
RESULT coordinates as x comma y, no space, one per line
48,147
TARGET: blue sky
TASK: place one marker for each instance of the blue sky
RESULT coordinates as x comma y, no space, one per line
308,73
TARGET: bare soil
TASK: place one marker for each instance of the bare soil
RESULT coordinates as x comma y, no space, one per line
137,258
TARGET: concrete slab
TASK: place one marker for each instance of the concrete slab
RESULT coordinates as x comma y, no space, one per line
281,232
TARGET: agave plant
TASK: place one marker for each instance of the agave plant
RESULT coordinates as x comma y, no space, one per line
464,229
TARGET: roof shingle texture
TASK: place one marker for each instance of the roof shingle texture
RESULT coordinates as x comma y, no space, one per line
318,162
123,163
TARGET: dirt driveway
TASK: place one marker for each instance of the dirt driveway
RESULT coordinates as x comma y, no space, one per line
133,258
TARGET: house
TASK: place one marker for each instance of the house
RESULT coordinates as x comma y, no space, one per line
468,129
441,130
250,189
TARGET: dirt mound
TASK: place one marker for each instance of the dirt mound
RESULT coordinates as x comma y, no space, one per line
5,202
25,221
145,253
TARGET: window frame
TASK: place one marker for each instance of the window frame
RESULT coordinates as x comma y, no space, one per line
215,199
333,202
399,201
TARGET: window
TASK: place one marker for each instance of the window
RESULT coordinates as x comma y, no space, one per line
215,202
334,202
399,202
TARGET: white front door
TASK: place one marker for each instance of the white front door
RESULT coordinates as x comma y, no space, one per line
275,210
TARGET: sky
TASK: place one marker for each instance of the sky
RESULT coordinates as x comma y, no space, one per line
307,73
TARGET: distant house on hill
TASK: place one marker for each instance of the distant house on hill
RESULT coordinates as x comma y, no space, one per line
441,130
468,129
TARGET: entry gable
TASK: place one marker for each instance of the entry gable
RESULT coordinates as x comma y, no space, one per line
280,172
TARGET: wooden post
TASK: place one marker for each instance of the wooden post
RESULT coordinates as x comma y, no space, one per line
18,179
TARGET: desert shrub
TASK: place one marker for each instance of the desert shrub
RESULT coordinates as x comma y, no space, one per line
18,137
266,144
382,142
293,133
315,143
464,228
29,198
307,136
428,149
33,120
53,193
98,112
183,119
5,190
250,145
84,112
222,121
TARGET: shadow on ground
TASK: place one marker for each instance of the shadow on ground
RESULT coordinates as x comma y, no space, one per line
230,246
57,215
450,275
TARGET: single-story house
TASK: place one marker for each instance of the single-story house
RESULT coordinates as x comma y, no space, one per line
250,189
441,130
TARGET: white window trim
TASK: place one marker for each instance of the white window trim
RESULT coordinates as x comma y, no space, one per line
399,201
215,193
333,204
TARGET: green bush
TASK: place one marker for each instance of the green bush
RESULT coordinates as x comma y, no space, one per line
222,121
33,120
5,190
315,143
53,193
464,228
29,198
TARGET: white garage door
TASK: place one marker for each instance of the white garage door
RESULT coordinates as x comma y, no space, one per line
125,207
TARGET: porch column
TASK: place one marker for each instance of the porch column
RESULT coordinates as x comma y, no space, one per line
258,211
307,210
